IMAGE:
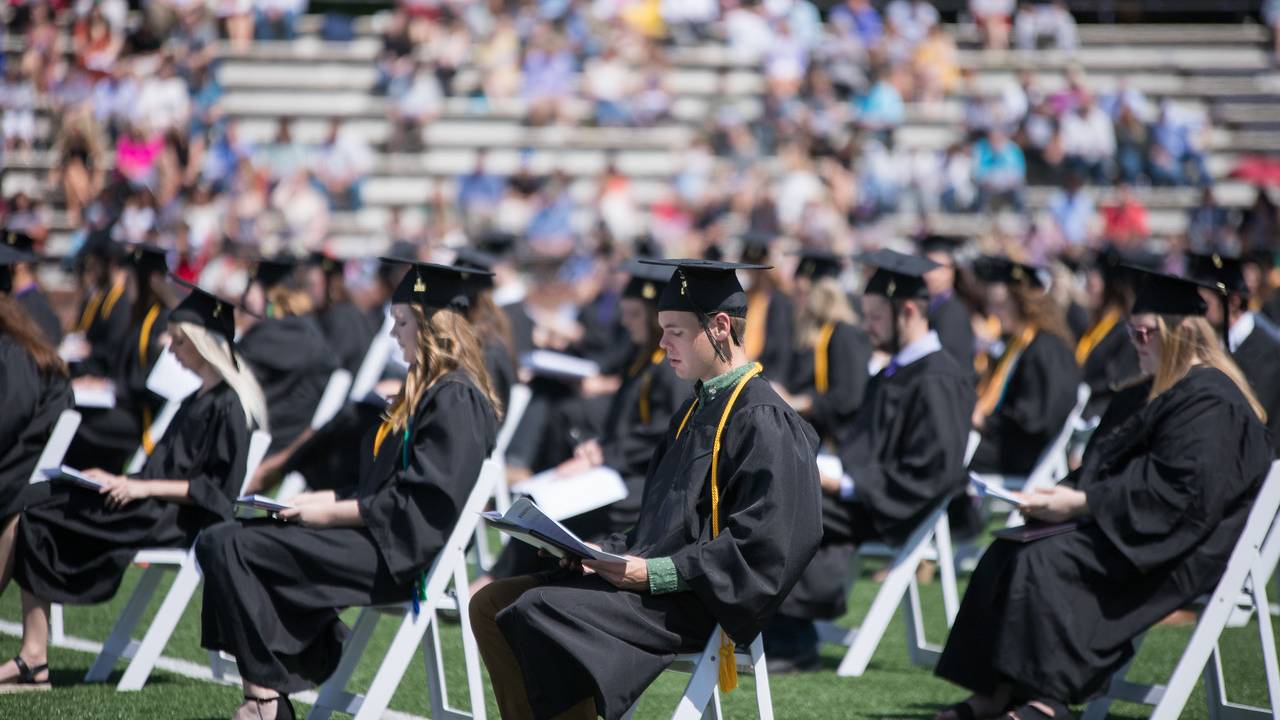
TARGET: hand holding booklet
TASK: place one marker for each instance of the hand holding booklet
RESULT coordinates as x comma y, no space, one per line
525,521
987,489
262,502
73,476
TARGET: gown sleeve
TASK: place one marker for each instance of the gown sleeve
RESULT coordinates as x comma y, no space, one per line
1157,505
411,516
770,521
1041,393
922,462
848,354
214,481
19,392
630,452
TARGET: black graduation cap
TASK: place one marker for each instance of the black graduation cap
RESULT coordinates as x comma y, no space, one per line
469,257
270,272
898,276
948,244
704,287
21,241
816,264
436,286
1222,273
147,259
203,308
1116,264
1164,294
1000,269
9,257
755,247
647,280
328,264
497,242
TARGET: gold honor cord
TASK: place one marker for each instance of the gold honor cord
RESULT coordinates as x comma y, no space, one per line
1095,335
820,360
144,344
645,413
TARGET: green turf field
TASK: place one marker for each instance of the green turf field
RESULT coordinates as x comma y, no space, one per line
891,688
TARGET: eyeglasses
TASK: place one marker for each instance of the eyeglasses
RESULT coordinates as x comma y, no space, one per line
1141,334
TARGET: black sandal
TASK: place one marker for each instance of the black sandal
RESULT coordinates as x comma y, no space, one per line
962,710
26,680
281,712
1028,711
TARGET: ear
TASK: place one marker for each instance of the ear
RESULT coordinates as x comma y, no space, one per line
720,326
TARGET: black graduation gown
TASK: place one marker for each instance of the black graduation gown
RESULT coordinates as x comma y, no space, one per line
108,437
72,549
1039,395
952,320
848,354
292,362
501,367
272,591
1112,361
779,334
1169,490
604,340
579,636
1259,359
30,403
107,332
33,300
905,453
349,332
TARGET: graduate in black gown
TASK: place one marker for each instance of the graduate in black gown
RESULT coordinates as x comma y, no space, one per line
904,454
24,287
273,590
108,437
1158,504
770,327
348,329
492,325
104,316
949,315
34,390
831,356
1254,343
1106,358
72,545
286,350
718,541
1025,399
637,420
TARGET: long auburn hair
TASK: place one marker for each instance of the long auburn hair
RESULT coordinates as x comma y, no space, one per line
827,302
488,320
446,342
1039,309
1187,339
15,323
288,302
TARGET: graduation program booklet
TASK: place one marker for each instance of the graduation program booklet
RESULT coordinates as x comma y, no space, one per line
986,489
73,476
262,502
566,496
525,521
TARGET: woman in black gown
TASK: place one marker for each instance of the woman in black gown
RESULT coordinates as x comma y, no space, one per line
273,590
33,392
1159,503
72,545
1029,392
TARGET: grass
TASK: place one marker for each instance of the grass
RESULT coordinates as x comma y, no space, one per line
891,687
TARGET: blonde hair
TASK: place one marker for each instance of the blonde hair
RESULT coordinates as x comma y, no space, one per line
288,302
1185,340
216,351
446,342
827,303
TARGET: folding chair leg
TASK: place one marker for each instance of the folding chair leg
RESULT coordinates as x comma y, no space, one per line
57,630
117,643
868,635
1200,650
714,711
759,664
334,691
947,568
1269,659
166,619
470,650
394,664
918,648
702,684
484,556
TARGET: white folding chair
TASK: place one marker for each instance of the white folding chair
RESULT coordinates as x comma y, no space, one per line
516,405
55,448
375,360
331,401
931,540
701,698
143,655
1247,572
450,565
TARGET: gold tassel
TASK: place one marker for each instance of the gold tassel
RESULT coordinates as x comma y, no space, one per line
728,664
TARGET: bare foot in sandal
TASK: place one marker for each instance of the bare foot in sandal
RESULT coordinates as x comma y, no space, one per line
19,676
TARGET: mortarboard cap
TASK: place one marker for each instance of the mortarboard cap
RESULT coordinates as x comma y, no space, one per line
146,259
1116,264
436,286
647,280
328,264
22,242
898,276
815,264
8,258
270,272
1000,269
203,308
1218,272
755,247
497,242
469,257
704,287
948,244
1164,294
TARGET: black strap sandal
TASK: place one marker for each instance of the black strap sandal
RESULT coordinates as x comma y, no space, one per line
26,680
284,708
1028,711
962,711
